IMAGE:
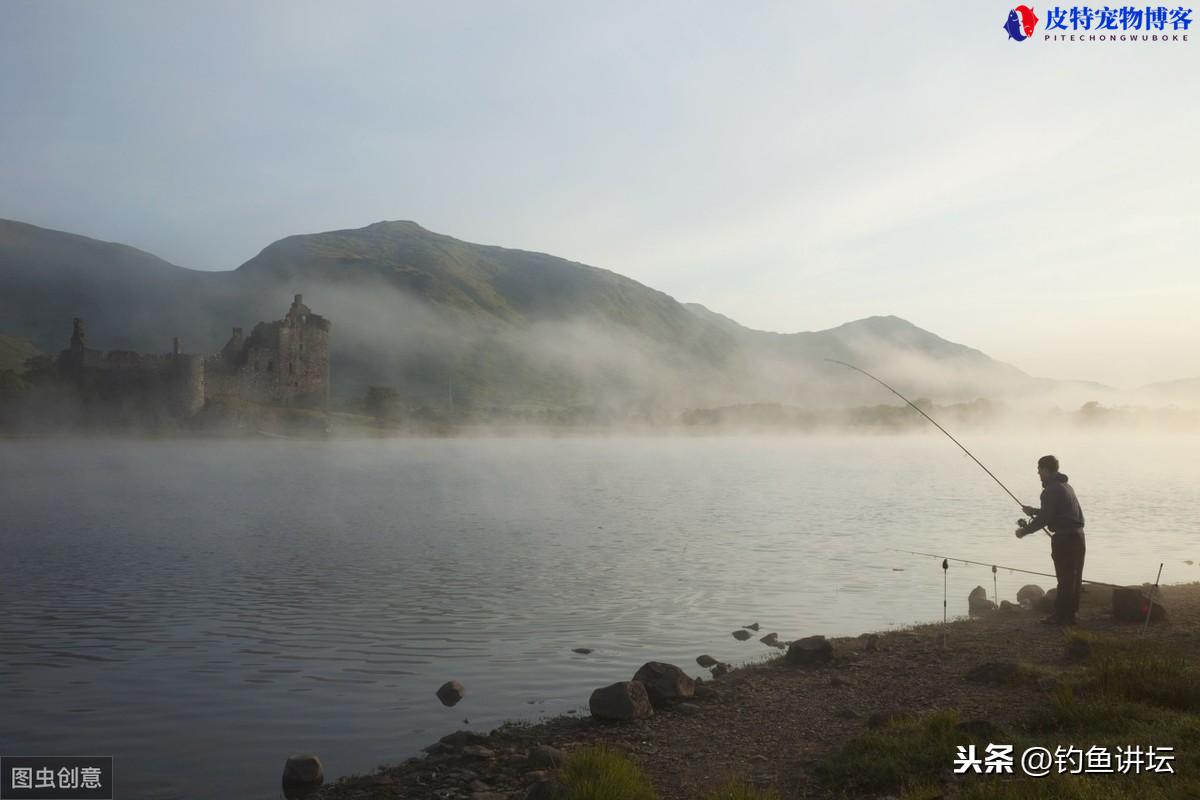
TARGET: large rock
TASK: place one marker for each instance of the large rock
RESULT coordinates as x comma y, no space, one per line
302,774
1029,595
1131,603
978,603
809,651
665,683
450,693
1046,604
622,701
742,634
706,661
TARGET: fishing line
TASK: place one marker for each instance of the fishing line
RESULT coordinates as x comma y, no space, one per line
917,408
999,566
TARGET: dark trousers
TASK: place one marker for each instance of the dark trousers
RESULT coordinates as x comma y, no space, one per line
1067,548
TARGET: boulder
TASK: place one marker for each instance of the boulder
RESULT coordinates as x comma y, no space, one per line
809,651
706,661
742,634
665,683
622,701
1029,595
771,640
450,693
301,774
1131,603
978,603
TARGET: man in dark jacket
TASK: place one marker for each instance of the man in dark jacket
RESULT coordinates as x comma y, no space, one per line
1061,514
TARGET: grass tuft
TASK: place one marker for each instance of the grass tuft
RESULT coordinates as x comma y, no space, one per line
597,773
737,790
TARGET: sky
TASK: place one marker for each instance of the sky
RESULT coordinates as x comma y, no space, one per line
791,165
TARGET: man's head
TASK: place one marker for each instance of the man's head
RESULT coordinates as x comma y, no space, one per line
1047,466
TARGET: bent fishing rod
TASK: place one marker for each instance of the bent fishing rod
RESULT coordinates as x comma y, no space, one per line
935,424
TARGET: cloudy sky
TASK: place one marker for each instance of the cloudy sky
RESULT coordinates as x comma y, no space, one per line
793,165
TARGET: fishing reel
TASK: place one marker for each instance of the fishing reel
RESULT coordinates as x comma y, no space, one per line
1021,523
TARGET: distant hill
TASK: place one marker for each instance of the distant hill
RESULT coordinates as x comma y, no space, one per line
14,350
1186,390
437,318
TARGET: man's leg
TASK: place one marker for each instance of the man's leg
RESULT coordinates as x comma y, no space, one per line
1062,572
1071,576
1079,572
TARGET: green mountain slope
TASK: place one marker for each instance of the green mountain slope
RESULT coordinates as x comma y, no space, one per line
435,317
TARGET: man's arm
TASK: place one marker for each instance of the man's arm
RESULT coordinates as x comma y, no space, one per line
1050,502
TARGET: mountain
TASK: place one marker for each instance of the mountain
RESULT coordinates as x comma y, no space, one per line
435,316
1186,390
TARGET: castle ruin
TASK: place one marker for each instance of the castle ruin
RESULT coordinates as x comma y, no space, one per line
281,363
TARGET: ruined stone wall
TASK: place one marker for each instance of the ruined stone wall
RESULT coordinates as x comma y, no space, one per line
284,363
136,383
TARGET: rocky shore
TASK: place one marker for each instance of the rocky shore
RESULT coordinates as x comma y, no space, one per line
770,725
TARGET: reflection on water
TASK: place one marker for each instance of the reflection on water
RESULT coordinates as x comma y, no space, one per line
201,611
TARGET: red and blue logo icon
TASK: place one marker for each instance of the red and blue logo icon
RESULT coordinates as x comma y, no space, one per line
1021,22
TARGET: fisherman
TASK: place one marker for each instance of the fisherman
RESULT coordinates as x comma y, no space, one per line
1061,514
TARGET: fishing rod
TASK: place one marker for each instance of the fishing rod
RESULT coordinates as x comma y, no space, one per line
946,558
918,409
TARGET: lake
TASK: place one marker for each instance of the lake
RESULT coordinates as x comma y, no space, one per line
200,611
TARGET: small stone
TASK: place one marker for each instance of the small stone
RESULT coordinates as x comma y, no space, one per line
546,757
450,693
690,709
706,661
771,639
993,672
1009,608
742,634
477,751
721,669
546,789
753,626
461,738
583,651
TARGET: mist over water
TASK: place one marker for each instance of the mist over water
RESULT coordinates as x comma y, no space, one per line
201,611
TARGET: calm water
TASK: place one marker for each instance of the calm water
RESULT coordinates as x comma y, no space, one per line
200,611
